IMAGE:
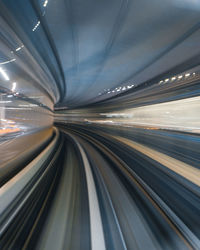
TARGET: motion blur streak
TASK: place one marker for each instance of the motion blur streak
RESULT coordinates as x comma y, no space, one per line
183,169
99,125
180,115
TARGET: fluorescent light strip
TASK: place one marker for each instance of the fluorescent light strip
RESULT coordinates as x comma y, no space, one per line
12,60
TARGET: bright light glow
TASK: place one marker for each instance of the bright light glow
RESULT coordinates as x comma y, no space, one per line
9,96
179,77
45,3
4,74
118,90
23,105
173,78
12,60
124,88
161,81
169,115
108,92
166,80
194,73
36,26
113,91
14,86
17,49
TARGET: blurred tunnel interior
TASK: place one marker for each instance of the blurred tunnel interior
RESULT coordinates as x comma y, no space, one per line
100,124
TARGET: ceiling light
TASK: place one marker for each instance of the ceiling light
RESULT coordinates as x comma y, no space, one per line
45,3
12,60
37,24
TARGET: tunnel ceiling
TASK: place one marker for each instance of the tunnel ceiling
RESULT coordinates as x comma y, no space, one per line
94,46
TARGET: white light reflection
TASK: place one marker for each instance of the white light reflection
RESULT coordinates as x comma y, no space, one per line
17,49
12,60
36,26
4,74
45,3
14,86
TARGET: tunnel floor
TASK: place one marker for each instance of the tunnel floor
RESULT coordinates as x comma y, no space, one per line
100,190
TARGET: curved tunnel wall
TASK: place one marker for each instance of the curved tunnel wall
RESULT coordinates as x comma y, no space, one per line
120,172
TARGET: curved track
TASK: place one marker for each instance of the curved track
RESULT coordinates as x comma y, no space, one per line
96,190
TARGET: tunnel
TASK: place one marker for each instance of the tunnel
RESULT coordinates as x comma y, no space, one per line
100,124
